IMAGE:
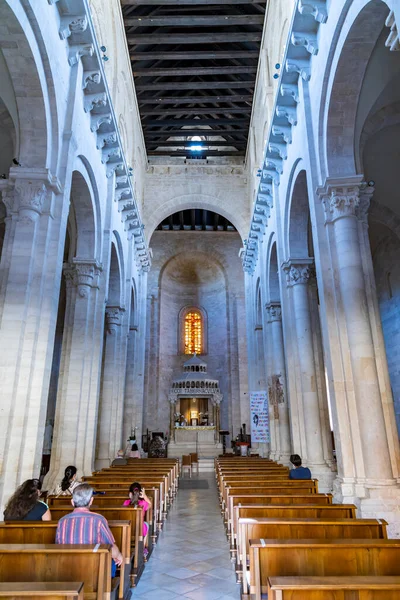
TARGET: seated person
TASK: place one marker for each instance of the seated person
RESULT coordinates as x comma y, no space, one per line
138,498
134,453
68,483
24,504
120,460
82,526
298,472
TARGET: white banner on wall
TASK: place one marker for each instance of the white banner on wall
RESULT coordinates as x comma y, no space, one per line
259,417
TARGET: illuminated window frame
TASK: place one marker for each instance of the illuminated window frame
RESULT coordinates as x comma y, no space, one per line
182,329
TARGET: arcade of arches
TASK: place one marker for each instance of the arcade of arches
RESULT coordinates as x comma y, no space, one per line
270,250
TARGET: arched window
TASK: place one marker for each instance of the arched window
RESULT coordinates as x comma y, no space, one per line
193,332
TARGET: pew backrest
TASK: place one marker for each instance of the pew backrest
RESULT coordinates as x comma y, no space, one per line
319,588
42,590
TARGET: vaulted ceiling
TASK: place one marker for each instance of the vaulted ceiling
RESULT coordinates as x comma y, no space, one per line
195,65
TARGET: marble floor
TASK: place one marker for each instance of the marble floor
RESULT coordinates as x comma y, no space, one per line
191,559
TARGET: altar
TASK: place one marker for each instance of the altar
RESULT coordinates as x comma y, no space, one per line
194,412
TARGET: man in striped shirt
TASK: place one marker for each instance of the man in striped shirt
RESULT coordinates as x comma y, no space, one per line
82,526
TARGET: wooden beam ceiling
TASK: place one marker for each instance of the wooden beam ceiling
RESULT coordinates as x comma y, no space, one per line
190,60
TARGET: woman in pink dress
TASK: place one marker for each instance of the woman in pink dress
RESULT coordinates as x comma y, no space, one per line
138,499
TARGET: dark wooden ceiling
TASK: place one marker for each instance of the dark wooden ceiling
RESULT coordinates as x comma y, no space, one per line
194,64
196,219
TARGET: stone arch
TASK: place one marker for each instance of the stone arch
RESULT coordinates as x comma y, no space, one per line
298,218
188,201
115,279
388,116
29,71
358,30
85,212
274,294
218,258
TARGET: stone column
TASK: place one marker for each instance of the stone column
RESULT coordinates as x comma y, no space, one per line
30,279
277,382
274,443
109,427
373,468
298,274
130,416
172,411
75,424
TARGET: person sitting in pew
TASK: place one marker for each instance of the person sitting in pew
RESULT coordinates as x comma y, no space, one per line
138,499
68,484
24,504
120,460
298,472
82,526
134,451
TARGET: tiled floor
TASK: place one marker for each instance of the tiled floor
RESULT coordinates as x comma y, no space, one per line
191,559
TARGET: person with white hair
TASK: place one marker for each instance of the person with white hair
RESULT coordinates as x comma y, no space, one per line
82,526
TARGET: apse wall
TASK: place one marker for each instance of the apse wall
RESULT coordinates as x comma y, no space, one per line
199,269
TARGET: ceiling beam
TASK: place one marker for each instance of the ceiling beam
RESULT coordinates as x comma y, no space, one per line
194,111
183,144
187,153
194,55
193,38
150,72
194,21
190,132
192,122
187,2
193,85
197,99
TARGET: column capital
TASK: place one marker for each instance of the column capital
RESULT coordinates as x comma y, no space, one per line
114,316
298,271
27,199
83,274
274,311
346,197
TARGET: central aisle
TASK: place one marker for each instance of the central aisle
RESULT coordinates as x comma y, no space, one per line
191,559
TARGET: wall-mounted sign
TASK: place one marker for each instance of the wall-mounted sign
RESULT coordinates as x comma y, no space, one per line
259,417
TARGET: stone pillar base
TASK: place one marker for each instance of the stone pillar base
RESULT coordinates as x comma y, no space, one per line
375,499
325,475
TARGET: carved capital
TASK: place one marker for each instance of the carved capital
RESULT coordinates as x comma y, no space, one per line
274,311
82,274
114,316
27,199
93,101
343,199
91,78
299,271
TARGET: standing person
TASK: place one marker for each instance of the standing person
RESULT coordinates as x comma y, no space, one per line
82,526
68,483
134,453
298,472
24,504
138,499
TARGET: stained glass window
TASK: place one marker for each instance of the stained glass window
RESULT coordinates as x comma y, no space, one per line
193,333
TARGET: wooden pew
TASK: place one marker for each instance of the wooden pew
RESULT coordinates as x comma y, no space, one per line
55,563
111,499
288,511
334,588
42,591
44,532
240,498
122,513
288,487
301,528
334,557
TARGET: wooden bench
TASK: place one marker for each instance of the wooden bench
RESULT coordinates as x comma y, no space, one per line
289,511
55,563
334,557
300,528
287,487
334,588
44,532
122,513
240,498
42,590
